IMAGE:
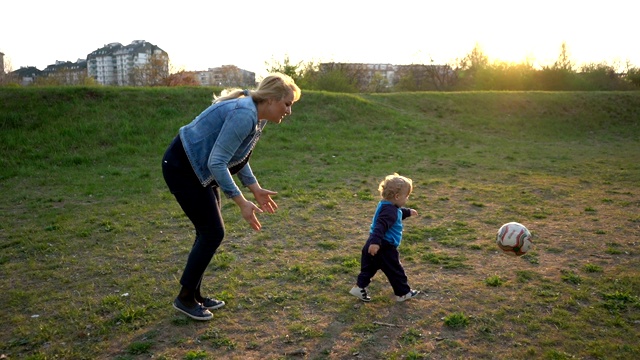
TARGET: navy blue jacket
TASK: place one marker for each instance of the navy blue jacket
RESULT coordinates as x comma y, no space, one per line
387,223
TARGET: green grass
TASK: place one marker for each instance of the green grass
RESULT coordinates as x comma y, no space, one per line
93,244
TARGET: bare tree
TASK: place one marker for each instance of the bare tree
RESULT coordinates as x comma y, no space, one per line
5,75
442,76
419,77
152,73
231,76
182,78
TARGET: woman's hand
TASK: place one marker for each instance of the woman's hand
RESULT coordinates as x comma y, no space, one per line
248,211
263,198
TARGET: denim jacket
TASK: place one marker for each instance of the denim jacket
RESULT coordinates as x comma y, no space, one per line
222,136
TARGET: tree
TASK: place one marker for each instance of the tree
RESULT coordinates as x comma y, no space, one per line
181,78
442,76
152,73
600,76
9,79
469,67
475,60
343,77
335,80
231,76
5,64
419,77
564,63
406,81
559,76
378,84
501,75
295,71
633,76
6,76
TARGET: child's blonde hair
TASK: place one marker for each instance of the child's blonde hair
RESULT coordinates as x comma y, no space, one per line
394,184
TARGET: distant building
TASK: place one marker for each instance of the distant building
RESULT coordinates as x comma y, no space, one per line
419,77
26,75
139,63
363,75
67,72
377,77
226,76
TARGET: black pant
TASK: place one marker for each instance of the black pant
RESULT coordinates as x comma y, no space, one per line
386,259
201,205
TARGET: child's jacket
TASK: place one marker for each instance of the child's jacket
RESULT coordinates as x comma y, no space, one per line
387,224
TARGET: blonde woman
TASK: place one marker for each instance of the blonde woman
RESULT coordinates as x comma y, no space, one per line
201,161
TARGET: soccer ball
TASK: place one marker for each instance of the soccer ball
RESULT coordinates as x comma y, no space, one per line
514,239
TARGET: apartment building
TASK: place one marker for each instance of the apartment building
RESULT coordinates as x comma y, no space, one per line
226,76
139,63
67,72
26,75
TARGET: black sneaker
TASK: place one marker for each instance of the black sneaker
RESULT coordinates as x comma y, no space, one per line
212,304
197,312
360,293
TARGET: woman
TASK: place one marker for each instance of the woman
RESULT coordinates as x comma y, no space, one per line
202,159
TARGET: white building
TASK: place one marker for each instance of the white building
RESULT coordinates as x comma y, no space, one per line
139,63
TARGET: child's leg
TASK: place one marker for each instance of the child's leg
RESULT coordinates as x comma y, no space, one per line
369,265
392,268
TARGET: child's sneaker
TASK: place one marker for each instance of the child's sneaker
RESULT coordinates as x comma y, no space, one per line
407,296
360,293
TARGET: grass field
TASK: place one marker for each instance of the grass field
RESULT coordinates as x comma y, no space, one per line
92,244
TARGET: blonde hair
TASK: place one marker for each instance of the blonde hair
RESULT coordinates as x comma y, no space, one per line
393,185
276,86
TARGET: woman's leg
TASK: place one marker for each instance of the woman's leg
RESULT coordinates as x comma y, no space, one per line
202,207
198,295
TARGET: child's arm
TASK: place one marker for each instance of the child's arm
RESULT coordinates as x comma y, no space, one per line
406,212
386,218
373,249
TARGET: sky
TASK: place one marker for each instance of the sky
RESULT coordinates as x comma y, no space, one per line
253,34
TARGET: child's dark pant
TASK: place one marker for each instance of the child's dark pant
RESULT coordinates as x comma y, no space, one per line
388,260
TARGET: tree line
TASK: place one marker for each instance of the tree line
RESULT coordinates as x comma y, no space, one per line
473,72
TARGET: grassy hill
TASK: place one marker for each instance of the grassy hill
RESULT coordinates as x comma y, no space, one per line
93,244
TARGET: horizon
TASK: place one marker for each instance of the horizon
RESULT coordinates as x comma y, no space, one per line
353,32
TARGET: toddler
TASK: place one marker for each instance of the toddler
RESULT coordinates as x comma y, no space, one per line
381,249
